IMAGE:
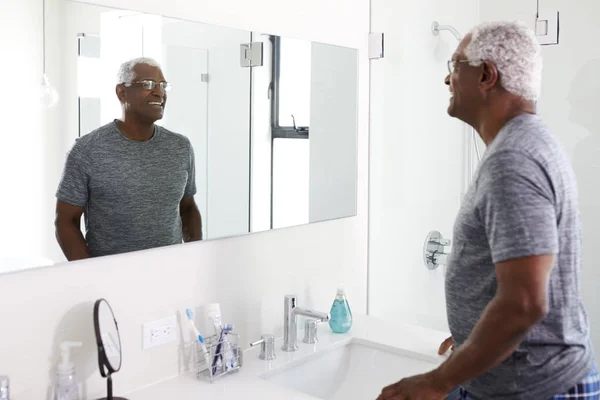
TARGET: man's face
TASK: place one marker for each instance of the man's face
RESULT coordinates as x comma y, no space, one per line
463,81
146,104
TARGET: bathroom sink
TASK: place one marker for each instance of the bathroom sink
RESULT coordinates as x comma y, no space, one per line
356,370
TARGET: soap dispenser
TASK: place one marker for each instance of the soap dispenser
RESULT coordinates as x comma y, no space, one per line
341,316
66,386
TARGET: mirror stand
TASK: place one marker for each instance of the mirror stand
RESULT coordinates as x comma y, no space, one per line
109,390
108,341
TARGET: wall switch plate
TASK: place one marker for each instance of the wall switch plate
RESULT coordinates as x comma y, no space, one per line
547,28
157,333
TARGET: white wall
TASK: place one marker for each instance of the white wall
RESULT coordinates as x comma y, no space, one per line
417,168
569,104
333,106
248,275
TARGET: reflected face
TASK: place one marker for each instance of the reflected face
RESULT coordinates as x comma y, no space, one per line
463,83
145,104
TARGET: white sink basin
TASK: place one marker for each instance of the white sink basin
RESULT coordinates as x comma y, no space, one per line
357,370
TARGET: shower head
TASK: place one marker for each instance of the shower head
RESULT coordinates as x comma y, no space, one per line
436,28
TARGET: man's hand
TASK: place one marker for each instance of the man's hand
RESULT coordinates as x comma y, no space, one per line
68,231
446,344
419,387
191,220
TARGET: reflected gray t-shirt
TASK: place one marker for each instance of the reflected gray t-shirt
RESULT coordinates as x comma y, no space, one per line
522,202
130,190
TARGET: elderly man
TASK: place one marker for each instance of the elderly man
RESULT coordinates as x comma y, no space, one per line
512,284
133,180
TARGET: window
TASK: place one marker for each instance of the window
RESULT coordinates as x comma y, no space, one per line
89,84
290,102
290,182
290,120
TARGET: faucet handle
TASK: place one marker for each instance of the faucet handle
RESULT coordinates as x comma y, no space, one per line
267,348
4,388
311,331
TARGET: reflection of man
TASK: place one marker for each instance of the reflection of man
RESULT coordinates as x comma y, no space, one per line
133,180
512,284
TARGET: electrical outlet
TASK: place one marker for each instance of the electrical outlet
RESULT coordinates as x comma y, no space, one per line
157,333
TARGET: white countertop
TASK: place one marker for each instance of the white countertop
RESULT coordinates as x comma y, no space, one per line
419,342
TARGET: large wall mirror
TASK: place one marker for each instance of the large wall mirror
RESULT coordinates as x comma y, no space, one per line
254,131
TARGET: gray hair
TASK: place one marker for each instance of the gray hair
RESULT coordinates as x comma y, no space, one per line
514,49
126,73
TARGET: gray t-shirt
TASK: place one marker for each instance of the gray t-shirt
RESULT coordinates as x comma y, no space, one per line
130,190
522,202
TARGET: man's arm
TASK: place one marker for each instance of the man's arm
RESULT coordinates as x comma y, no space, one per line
190,219
521,301
68,231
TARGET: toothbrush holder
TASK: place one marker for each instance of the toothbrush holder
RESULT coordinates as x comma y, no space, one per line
219,352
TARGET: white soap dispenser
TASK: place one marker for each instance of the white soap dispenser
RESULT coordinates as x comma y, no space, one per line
66,386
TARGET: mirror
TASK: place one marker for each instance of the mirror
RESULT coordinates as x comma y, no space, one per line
109,344
230,149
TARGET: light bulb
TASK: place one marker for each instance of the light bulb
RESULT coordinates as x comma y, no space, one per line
48,95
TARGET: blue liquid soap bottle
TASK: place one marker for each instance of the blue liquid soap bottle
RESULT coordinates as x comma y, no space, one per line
341,316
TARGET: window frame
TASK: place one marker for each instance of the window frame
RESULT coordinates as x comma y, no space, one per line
278,131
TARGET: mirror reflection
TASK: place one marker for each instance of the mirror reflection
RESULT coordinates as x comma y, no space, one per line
170,131
132,179
108,335
108,342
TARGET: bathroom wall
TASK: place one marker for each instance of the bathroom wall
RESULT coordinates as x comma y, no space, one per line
569,104
417,173
248,275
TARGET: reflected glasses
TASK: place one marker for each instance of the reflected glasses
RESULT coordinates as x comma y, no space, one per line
148,84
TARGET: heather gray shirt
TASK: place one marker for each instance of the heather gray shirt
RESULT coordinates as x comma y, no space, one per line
522,202
130,190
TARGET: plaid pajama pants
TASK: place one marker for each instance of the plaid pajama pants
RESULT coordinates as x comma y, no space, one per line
588,389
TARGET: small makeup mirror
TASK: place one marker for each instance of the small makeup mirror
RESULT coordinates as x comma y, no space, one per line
109,344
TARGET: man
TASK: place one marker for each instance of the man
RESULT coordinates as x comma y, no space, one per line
133,180
512,284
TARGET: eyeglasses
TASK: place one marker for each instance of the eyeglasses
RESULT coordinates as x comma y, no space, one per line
452,64
148,84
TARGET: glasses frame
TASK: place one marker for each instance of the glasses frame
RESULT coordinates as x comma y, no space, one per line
149,84
452,64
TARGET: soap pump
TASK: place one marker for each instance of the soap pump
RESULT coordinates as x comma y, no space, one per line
66,386
341,316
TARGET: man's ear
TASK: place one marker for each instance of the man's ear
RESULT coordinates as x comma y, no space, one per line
489,76
121,92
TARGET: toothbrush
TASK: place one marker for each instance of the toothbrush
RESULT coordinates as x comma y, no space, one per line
218,353
224,355
190,316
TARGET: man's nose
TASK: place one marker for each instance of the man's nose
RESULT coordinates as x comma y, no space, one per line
158,91
447,80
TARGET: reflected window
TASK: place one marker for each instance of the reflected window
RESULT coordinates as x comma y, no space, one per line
89,84
290,120
290,182
293,93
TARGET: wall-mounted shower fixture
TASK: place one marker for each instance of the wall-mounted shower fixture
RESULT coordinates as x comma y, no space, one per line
433,250
436,28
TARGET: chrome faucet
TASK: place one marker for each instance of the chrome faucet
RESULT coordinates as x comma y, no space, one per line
4,386
290,324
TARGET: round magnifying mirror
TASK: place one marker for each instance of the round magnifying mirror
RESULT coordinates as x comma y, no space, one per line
109,344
